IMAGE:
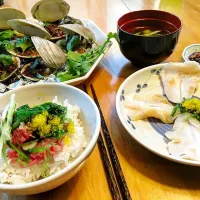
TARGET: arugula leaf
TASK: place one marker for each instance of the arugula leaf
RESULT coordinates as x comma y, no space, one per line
6,60
24,43
6,35
75,40
79,64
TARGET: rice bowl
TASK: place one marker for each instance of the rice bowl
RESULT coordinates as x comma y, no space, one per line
70,160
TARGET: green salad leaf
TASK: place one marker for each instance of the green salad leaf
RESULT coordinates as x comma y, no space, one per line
79,64
6,35
23,43
6,60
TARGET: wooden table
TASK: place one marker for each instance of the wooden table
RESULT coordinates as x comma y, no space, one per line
148,176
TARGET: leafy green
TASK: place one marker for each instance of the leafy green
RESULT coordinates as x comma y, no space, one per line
79,64
25,113
6,60
23,43
6,35
20,152
75,40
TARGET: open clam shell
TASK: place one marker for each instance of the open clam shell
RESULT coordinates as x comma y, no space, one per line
50,10
8,14
29,28
17,64
31,54
51,53
39,71
83,31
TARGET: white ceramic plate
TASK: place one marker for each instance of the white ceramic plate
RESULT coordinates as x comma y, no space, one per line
150,132
100,39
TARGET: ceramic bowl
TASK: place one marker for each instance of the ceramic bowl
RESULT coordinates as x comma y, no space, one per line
141,50
40,93
189,50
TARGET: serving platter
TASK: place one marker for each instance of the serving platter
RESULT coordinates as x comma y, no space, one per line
149,133
100,39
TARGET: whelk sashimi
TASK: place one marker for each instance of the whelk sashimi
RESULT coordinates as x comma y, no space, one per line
185,138
152,105
180,80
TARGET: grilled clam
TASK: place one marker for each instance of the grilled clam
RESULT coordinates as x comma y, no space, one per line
36,70
23,47
78,38
8,66
8,14
52,54
50,12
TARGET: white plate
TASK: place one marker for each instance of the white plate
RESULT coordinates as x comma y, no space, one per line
150,132
189,50
100,39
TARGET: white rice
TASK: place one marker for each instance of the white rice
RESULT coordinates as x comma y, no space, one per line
14,174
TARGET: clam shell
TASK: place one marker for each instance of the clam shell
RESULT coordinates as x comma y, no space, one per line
50,10
29,28
35,79
8,14
79,29
17,61
51,53
14,53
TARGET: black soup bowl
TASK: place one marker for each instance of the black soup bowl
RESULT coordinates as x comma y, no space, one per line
147,50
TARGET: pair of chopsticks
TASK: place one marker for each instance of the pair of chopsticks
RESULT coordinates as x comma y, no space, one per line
114,173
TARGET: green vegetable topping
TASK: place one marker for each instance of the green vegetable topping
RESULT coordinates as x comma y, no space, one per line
24,43
25,113
6,35
6,60
20,152
80,64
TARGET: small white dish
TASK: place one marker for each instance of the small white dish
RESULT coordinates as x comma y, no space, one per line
150,133
189,50
39,93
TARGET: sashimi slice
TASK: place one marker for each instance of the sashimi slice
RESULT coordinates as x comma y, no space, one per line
180,80
152,105
185,138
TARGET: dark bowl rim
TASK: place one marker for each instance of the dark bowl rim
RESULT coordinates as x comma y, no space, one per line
181,24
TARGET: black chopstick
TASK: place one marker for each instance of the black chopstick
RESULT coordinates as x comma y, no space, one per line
107,165
114,159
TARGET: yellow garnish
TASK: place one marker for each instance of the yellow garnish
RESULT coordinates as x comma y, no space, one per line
39,120
70,127
55,121
192,104
67,140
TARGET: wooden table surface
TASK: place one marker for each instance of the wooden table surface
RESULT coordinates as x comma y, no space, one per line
148,176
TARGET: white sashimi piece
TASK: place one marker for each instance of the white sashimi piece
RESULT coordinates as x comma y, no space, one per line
142,107
172,86
180,80
189,84
185,138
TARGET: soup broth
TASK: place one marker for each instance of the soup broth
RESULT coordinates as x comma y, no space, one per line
148,27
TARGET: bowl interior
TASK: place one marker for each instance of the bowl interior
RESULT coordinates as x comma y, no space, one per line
40,93
189,50
150,18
